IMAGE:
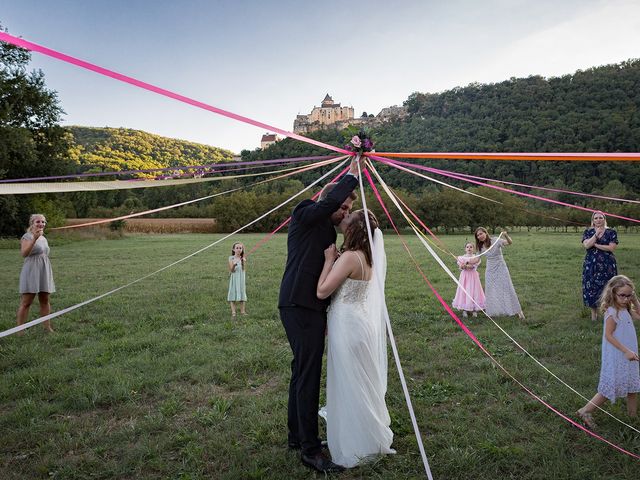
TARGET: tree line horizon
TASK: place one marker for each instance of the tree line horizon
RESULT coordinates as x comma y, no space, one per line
593,110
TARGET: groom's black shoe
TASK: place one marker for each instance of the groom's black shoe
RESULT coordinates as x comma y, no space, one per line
321,463
297,446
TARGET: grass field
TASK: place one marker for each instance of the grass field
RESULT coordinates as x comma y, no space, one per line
157,381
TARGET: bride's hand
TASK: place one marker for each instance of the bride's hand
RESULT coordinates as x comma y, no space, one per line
331,253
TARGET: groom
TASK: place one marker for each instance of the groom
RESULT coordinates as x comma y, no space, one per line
304,316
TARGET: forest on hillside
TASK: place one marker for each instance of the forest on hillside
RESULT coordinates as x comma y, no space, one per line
117,149
596,110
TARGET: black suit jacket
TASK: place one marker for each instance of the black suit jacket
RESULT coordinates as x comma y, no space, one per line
310,233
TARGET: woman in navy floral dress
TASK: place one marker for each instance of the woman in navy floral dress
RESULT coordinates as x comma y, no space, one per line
600,262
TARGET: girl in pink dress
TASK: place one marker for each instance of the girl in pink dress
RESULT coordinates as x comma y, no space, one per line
473,299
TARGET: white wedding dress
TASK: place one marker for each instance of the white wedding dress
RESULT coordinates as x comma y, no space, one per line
356,413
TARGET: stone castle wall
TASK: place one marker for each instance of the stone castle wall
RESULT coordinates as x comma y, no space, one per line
335,116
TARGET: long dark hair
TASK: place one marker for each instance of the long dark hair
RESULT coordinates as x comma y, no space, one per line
233,253
355,235
487,240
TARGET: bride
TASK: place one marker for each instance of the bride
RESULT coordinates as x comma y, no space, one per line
356,413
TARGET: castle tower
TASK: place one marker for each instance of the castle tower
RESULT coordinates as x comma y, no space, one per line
327,102
328,113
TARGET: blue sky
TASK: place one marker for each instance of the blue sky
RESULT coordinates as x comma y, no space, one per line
270,60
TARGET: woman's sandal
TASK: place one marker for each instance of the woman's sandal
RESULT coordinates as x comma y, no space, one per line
587,419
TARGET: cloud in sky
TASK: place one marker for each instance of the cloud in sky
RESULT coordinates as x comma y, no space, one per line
608,33
273,60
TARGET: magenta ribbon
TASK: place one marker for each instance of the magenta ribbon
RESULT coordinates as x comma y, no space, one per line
558,190
209,166
5,37
502,189
475,340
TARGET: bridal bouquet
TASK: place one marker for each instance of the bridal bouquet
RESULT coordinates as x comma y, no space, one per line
360,143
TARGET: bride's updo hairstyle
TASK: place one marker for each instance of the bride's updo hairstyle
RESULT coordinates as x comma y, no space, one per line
355,235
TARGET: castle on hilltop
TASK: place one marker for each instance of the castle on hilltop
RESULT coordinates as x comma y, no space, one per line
331,114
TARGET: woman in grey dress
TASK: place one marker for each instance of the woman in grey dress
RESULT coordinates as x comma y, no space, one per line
36,276
501,298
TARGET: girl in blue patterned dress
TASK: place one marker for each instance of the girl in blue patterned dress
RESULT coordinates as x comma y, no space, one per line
619,371
599,265
237,287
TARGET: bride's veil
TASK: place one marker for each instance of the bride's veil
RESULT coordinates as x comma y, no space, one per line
378,305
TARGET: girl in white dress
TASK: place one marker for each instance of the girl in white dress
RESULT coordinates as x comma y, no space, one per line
356,413
619,370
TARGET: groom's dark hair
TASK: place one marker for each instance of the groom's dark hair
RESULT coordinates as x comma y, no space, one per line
330,186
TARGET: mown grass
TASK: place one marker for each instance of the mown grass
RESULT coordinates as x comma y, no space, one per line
157,381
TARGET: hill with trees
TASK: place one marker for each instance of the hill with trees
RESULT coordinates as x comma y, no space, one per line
117,149
32,142
596,110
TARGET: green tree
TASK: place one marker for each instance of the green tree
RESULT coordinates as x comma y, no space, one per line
32,143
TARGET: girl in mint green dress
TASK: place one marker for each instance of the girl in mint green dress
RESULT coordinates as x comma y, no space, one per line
237,287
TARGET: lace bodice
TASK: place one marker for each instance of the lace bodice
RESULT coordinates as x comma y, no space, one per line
352,291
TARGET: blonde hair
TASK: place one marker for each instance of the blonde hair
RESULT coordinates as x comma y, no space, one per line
32,220
608,295
598,212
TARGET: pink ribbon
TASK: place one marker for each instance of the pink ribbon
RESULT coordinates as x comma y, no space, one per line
558,190
470,334
502,189
528,156
160,91
205,169
176,205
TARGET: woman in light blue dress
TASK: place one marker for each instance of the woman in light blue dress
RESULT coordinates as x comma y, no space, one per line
36,277
237,288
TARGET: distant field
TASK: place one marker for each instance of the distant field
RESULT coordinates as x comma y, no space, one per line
157,381
158,225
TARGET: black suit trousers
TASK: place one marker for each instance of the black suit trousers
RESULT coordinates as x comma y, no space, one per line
306,333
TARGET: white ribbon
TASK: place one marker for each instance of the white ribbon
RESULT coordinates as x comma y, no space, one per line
455,279
74,307
64,187
168,207
392,341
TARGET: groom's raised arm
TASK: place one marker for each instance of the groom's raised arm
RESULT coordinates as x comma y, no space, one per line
312,212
